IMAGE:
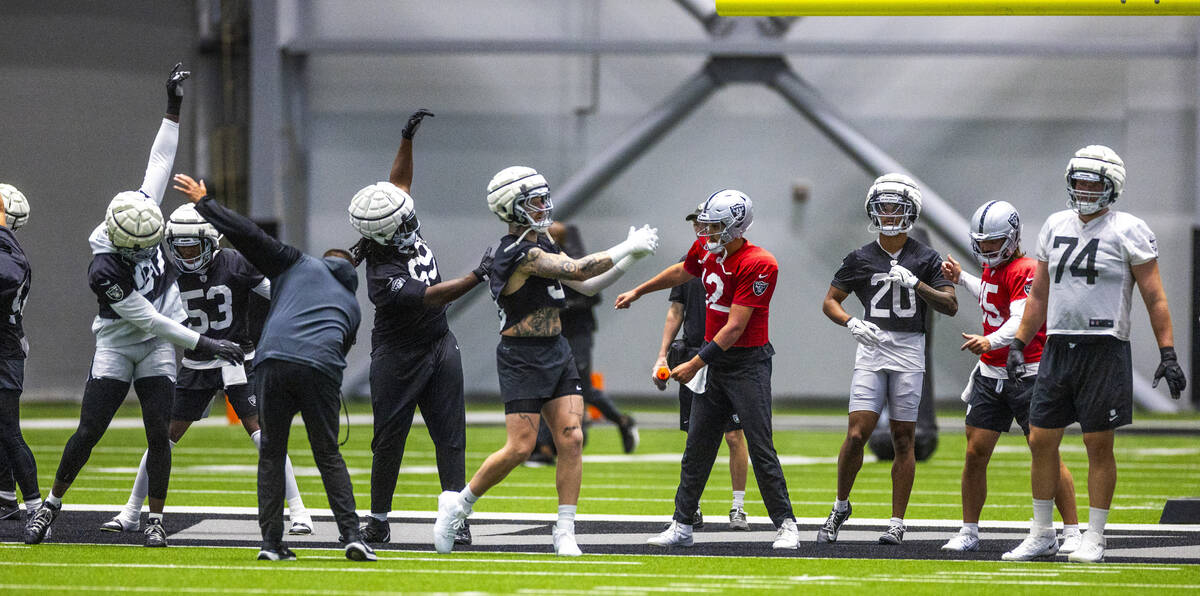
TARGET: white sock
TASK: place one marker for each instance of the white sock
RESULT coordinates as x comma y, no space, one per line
739,499
841,506
141,486
32,505
1069,529
972,529
53,500
1097,518
1043,513
896,521
291,491
566,518
8,495
155,516
466,499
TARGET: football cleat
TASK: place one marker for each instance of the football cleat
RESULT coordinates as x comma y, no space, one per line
276,552
1091,549
676,534
8,509
788,536
737,520
121,523
450,518
893,535
1071,539
1039,543
833,524
629,434
564,543
156,534
375,531
359,551
38,527
962,542
463,536
301,526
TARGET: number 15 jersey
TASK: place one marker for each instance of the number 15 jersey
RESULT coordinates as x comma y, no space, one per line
1091,282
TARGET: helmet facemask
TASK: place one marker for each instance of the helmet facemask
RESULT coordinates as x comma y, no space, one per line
192,254
996,257
527,212
891,213
714,241
1088,202
405,237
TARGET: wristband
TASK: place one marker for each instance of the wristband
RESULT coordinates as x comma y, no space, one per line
710,352
173,104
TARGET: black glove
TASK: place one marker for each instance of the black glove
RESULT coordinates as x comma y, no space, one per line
414,122
485,265
1016,360
175,88
1169,368
222,349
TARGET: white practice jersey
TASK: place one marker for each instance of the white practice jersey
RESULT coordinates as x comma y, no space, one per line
1091,280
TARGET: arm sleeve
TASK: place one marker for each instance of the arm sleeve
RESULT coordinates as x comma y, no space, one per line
1139,244
137,310
162,160
756,284
973,284
267,254
1003,336
390,285
592,286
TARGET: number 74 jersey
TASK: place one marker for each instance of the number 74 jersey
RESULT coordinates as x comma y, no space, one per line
1091,282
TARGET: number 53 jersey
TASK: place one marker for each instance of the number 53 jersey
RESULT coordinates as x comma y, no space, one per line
216,303
1090,277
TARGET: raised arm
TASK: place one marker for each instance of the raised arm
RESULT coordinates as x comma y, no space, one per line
267,254
402,167
166,142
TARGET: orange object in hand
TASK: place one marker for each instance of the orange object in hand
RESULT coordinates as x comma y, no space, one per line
663,373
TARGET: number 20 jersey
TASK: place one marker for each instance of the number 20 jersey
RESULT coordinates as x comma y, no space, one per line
216,301
1091,282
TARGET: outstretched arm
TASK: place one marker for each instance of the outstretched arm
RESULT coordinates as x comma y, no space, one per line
267,254
402,167
668,278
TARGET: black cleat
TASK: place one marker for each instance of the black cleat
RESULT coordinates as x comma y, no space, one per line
375,531
629,434
276,552
833,524
39,525
8,509
156,534
359,551
462,537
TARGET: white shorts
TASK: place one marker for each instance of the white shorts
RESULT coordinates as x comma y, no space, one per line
154,357
901,391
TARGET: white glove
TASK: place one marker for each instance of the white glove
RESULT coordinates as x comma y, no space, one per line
902,276
642,241
864,332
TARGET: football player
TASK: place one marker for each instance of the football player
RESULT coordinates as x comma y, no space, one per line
538,375
215,286
993,402
19,466
687,311
415,360
734,367
897,279
1088,259
136,330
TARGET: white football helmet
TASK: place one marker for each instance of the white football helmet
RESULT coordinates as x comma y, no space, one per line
186,232
992,221
134,224
509,194
16,206
893,195
386,214
730,208
1094,163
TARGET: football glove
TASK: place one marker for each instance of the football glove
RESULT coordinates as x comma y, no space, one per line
1170,369
485,265
902,276
414,122
864,332
1016,360
175,88
222,349
643,241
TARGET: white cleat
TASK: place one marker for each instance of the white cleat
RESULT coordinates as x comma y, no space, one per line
122,523
450,519
1091,549
676,534
564,543
1039,543
788,536
302,525
1071,540
962,542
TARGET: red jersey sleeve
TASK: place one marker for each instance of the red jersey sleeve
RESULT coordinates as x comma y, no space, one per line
691,263
755,283
1020,279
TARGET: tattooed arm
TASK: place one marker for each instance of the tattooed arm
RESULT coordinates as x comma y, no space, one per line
539,263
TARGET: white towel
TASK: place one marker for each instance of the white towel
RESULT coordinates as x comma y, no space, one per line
233,374
699,382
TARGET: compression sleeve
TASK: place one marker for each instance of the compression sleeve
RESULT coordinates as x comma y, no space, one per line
137,310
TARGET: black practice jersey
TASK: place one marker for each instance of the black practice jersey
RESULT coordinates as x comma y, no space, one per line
692,296
14,289
216,300
396,284
536,293
890,306
113,278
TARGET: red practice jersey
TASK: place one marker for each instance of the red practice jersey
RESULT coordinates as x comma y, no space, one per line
747,278
999,288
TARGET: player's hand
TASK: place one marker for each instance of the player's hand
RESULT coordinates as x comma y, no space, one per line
659,364
1016,360
485,265
414,122
977,344
644,241
864,332
899,274
951,269
190,187
626,299
221,349
684,372
1170,369
175,89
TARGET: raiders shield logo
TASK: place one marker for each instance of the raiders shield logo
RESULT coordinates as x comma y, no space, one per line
397,283
738,210
1014,220
115,293
1028,286
759,287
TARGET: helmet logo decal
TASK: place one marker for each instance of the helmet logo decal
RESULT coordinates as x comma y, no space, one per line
738,210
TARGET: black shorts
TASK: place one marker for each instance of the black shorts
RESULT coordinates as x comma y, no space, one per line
1086,379
195,388
534,370
995,403
12,374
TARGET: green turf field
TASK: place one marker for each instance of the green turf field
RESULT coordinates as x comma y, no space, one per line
214,466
